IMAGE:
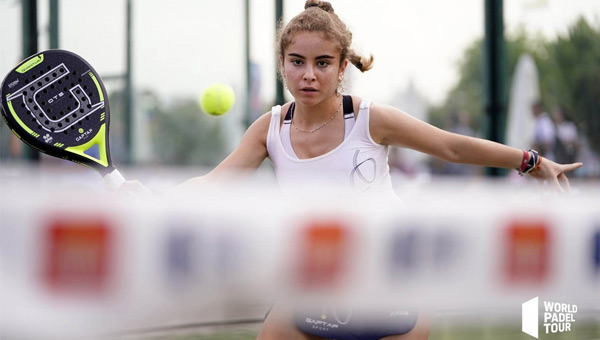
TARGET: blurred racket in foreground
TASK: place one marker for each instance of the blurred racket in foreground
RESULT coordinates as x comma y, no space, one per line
56,102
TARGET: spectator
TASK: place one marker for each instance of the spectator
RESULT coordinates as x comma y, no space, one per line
566,146
544,133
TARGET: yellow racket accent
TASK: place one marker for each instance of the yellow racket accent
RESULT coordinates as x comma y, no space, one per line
25,127
97,140
97,86
31,63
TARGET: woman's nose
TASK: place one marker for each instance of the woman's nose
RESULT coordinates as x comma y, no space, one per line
309,75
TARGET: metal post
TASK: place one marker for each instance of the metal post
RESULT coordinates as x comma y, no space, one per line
54,20
128,88
30,47
248,113
279,86
494,84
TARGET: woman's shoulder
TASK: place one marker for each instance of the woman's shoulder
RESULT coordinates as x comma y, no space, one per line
356,100
377,109
281,110
264,120
374,108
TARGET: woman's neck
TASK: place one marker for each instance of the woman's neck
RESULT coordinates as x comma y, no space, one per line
312,114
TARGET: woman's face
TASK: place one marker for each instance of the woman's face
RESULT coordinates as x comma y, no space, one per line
311,67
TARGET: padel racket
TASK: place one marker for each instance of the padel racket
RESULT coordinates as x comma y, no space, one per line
56,102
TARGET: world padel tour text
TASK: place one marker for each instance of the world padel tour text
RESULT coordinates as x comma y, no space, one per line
558,316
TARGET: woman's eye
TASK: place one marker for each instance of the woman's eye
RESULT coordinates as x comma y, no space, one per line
322,63
296,62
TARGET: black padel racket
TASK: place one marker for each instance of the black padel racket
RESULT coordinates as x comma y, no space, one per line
56,102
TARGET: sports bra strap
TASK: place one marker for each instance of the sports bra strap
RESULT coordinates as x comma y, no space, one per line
290,112
348,109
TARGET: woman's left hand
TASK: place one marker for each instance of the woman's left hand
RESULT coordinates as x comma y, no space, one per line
554,173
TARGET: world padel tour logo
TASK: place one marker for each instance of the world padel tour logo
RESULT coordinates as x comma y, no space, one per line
558,317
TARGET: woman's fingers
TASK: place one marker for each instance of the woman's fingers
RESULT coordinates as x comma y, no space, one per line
564,182
570,167
554,174
556,184
561,179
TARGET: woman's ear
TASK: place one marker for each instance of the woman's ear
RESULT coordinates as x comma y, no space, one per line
281,67
343,70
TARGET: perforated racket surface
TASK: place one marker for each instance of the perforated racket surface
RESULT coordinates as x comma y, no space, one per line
55,101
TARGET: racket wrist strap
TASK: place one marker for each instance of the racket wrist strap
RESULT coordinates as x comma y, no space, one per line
531,159
113,180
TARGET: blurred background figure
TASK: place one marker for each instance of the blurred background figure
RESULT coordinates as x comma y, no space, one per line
544,133
587,155
566,145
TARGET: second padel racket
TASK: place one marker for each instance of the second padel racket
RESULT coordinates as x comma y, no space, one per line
56,102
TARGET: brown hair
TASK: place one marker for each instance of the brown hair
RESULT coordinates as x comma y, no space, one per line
318,16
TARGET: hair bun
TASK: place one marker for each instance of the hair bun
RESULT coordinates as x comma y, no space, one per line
324,5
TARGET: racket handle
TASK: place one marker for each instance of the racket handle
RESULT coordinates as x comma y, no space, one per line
113,180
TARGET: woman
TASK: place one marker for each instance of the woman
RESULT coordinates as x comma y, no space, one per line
324,137
318,134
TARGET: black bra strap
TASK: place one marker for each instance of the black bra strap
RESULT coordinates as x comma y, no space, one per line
290,112
348,106
347,102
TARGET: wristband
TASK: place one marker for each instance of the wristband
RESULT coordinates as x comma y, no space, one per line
524,162
531,159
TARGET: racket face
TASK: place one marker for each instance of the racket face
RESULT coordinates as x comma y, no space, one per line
56,102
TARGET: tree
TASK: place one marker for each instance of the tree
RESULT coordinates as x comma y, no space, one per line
467,95
183,135
569,70
570,77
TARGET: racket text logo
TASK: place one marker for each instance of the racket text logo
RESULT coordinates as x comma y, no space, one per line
13,84
83,135
321,324
60,95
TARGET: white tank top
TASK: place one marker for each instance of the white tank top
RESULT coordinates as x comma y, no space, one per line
358,164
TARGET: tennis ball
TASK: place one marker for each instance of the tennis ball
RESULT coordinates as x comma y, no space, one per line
217,99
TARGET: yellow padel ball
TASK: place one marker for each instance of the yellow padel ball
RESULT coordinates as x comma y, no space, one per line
217,99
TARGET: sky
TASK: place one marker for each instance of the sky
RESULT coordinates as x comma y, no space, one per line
181,46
